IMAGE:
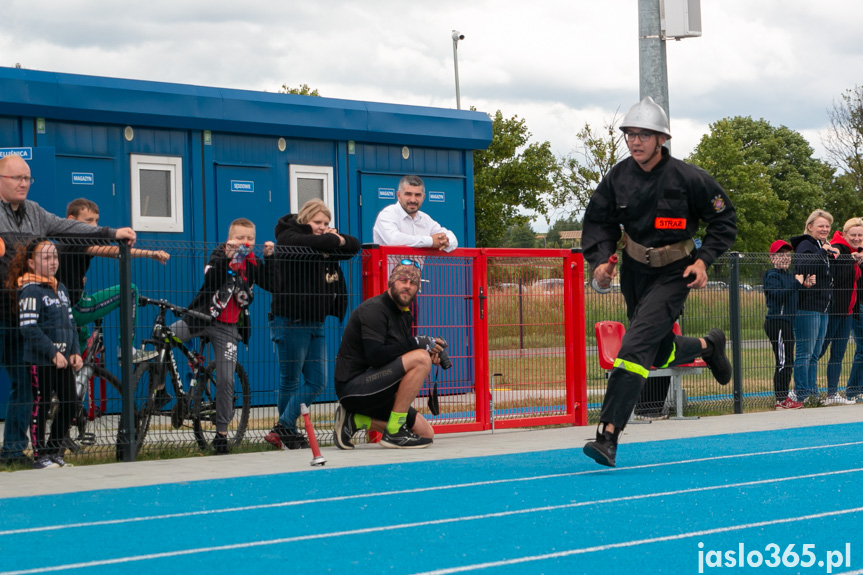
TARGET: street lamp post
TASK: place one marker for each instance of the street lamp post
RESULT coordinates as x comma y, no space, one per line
456,36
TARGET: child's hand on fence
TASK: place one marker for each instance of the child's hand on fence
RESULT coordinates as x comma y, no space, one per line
59,361
76,362
806,281
269,248
231,248
160,256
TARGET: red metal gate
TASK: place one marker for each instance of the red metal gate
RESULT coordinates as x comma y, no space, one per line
514,321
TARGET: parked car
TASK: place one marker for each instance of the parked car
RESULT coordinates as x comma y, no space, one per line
716,285
549,285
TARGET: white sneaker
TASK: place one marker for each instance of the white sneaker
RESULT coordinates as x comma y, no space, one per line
58,459
45,462
837,399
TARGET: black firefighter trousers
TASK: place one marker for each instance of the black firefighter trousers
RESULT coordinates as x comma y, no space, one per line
654,300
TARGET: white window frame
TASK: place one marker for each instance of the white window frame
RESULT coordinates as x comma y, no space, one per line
323,173
171,164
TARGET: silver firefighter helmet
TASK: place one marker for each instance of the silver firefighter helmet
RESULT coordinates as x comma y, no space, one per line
649,115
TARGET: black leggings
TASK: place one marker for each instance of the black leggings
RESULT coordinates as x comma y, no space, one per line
781,335
46,382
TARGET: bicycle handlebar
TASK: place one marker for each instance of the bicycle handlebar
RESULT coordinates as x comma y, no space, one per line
177,310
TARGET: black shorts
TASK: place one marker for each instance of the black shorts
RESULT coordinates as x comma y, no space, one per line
372,392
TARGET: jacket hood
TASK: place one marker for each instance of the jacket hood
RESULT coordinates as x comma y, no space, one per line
285,222
797,240
289,222
838,238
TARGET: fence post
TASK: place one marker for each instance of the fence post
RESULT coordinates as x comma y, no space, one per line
734,317
576,344
371,271
126,431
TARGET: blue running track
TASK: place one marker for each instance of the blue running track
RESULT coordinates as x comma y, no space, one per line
681,506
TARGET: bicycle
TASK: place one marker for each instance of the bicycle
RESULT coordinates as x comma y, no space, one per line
198,404
87,407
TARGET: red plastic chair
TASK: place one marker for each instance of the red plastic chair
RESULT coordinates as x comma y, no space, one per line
609,335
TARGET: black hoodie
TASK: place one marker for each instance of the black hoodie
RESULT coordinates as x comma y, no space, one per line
221,284
308,283
811,259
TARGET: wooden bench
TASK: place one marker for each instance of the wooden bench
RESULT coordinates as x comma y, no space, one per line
609,336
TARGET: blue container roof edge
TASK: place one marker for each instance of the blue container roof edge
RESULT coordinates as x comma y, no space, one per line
103,100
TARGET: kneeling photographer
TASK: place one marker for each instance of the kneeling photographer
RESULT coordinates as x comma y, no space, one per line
381,367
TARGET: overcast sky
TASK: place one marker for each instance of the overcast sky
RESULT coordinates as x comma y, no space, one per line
556,63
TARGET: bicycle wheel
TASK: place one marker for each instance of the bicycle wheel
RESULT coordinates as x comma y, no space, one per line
203,408
79,432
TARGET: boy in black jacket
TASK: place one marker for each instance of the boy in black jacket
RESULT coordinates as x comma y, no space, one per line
780,294
227,292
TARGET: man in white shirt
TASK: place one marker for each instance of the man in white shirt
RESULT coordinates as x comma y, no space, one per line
403,224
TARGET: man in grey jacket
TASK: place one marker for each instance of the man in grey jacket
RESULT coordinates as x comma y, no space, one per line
20,220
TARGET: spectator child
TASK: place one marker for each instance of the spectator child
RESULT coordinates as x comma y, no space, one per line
50,348
74,263
227,292
780,293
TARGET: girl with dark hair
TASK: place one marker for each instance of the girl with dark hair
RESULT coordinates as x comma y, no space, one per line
51,350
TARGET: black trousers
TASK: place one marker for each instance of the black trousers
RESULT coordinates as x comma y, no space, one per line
654,300
46,381
781,335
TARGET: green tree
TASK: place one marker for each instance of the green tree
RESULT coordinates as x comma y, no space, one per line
520,236
511,175
303,90
769,174
582,170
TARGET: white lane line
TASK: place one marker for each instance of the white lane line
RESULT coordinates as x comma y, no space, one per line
634,543
484,516
391,493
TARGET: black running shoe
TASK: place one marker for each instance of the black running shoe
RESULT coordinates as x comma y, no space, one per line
220,444
715,357
404,438
295,440
603,450
345,428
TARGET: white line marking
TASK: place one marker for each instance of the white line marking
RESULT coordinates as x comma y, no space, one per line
583,550
404,491
509,513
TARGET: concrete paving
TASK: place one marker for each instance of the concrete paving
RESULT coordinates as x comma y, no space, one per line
446,446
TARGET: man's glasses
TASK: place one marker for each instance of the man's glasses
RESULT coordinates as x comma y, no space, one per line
407,262
642,136
19,179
